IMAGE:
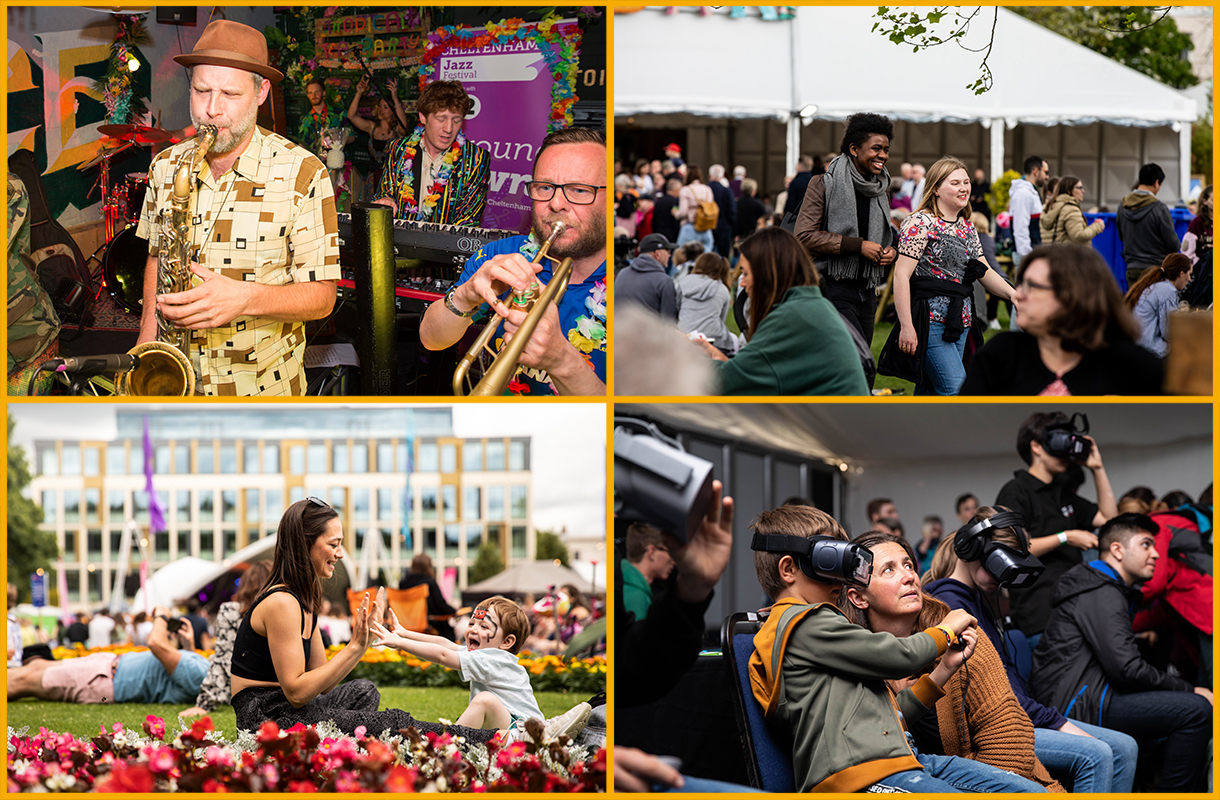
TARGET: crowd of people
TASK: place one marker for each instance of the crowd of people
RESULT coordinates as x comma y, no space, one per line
845,233
270,668
1046,643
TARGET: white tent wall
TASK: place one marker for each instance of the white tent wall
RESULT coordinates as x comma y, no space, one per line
1086,114
930,486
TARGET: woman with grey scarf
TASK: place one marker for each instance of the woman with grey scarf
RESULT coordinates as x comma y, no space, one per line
844,221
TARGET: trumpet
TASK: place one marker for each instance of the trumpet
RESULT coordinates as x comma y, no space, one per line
506,363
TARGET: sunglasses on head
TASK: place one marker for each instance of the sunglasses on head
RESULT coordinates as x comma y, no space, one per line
318,502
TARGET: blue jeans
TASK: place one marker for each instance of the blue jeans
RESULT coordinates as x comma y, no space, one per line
952,774
1102,764
943,371
687,233
706,786
1183,719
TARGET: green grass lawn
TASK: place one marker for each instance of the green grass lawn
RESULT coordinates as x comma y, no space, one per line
422,702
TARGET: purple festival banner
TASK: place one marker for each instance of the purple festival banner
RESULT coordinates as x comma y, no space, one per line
512,87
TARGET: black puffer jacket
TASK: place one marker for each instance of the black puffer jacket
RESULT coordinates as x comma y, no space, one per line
1088,650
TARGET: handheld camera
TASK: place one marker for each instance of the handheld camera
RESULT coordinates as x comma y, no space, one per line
657,482
1066,439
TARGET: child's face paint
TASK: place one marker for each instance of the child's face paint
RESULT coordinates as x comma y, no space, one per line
484,631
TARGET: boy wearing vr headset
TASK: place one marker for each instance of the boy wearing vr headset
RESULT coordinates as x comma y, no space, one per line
990,552
821,678
1059,522
1089,659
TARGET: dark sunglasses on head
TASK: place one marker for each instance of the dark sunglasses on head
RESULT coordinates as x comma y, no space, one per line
318,502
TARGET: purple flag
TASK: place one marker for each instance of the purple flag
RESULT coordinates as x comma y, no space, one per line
156,514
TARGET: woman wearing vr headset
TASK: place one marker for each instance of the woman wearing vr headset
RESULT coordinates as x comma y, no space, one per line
1077,335
967,572
979,717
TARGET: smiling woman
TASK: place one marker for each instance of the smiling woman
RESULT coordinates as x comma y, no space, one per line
939,259
280,672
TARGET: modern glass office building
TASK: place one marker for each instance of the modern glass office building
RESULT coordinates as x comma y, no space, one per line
224,478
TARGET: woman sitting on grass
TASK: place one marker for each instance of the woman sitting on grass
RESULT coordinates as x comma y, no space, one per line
280,670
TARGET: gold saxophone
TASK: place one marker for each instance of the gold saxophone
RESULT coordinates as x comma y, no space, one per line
165,369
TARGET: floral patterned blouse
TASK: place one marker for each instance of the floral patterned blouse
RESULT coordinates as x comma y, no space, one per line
941,249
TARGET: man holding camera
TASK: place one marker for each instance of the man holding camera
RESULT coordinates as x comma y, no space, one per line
1059,522
160,674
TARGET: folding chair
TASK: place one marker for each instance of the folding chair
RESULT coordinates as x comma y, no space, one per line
768,761
409,605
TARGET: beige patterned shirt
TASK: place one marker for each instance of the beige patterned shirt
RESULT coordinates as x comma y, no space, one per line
269,219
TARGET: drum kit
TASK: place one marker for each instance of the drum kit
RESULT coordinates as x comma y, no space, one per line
122,203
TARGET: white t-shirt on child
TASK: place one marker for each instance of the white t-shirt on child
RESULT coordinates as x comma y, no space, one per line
498,672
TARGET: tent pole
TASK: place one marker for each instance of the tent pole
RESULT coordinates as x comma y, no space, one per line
997,148
1184,161
793,138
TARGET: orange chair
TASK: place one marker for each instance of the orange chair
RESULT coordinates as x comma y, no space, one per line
409,605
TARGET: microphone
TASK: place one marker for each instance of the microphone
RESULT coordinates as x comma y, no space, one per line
115,362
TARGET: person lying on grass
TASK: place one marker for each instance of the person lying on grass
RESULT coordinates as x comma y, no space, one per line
500,693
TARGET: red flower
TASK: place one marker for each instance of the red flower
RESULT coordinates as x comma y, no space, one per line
268,732
213,786
301,786
400,779
126,780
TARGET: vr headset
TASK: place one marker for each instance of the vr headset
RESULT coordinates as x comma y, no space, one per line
821,558
1066,439
1008,566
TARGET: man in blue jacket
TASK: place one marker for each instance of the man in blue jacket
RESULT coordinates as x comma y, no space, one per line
1088,661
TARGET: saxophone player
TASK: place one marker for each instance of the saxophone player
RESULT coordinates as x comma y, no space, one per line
263,232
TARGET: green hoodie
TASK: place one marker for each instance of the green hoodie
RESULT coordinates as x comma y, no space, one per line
821,679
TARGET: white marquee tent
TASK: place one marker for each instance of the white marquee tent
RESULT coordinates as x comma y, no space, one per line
829,58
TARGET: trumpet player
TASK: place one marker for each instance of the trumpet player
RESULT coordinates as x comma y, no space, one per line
567,353
263,233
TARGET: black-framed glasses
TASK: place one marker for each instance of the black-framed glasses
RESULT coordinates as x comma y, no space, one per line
318,502
1026,284
581,194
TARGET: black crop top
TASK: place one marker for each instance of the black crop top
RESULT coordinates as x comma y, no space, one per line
252,654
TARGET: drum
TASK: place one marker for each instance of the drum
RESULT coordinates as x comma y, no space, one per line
123,268
134,187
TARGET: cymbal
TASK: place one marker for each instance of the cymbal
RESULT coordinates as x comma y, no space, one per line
135,133
103,154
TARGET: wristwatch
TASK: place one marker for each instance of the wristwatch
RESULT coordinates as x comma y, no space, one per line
454,310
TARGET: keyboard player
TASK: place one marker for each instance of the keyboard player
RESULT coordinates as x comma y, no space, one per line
567,353
435,174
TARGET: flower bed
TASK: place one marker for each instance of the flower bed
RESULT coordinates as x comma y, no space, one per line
300,759
389,667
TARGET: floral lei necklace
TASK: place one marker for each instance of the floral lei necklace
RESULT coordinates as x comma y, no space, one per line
448,160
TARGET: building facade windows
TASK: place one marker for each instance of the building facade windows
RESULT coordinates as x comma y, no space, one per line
89,491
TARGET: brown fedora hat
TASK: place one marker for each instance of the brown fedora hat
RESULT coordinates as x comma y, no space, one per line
232,44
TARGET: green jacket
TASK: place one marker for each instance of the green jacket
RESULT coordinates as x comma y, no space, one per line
801,348
637,594
822,679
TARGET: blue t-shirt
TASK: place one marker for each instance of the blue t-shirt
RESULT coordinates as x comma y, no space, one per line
141,678
582,313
